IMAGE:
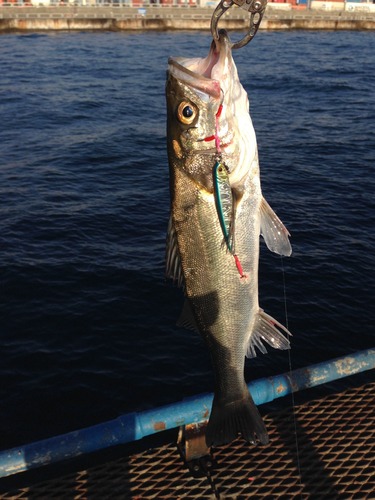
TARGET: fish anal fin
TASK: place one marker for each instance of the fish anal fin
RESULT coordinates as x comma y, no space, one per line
186,319
264,329
274,232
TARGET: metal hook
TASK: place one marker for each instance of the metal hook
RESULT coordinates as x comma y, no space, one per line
255,7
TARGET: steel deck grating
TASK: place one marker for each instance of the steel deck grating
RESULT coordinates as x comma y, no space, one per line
335,460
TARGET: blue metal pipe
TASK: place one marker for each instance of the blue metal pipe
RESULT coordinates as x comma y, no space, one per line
135,426
267,389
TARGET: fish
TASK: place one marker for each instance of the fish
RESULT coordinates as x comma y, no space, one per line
217,214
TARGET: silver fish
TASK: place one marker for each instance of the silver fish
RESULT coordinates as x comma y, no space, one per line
209,124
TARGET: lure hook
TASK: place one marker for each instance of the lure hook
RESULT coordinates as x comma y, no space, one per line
256,9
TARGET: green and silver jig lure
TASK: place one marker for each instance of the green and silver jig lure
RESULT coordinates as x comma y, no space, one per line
225,203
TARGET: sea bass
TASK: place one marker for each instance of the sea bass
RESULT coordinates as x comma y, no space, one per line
217,214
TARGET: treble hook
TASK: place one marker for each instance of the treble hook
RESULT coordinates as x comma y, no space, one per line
255,7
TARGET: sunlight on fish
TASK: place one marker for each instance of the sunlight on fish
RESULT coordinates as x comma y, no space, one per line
217,214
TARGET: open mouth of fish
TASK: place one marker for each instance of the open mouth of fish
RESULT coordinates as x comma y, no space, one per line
207,77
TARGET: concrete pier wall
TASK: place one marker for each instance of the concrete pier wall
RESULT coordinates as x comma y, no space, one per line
173,18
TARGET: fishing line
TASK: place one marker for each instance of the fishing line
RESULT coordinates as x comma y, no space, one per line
290,376
219,160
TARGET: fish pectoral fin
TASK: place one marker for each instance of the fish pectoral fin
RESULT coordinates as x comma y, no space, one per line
173,268
274,232
264,329
186,319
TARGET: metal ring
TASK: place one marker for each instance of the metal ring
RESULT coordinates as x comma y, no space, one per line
256,8
223,6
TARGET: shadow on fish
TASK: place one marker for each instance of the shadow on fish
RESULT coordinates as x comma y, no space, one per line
217,214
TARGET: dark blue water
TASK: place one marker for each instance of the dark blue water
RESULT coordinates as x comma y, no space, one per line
87,327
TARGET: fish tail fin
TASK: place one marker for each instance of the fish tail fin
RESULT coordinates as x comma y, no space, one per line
229,419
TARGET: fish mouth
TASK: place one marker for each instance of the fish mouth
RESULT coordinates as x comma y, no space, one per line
204,75
207,77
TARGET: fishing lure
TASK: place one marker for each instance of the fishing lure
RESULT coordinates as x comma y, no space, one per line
225,203
224,196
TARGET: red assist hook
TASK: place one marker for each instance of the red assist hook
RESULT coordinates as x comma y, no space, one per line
239,267
217,139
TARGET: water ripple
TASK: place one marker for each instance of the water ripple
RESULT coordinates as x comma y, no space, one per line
87,320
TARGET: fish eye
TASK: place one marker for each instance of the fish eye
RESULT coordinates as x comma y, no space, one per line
186,112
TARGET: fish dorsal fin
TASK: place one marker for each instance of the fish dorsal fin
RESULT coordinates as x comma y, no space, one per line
186,319
264,329
173,268
274,232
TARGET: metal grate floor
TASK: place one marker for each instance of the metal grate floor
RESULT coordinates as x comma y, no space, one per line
335,460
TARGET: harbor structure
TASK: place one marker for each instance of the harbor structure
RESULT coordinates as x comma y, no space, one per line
284,5
117,16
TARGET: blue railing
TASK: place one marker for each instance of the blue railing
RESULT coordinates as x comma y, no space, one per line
135,426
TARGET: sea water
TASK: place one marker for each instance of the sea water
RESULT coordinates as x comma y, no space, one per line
87,327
